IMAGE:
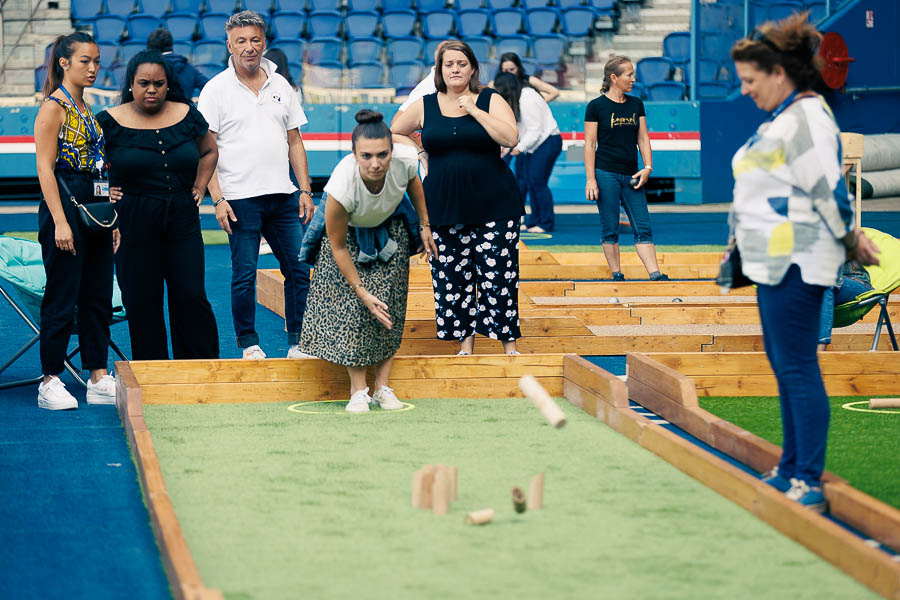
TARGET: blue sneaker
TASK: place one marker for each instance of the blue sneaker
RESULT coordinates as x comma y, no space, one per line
618,276
776,481
809,496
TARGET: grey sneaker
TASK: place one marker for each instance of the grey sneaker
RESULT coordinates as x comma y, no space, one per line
53,395
102,392
295,352
386,399
359,402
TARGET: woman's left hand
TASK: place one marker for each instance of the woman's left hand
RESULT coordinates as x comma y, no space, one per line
117,239
428,247
643,175
865,251
115,194
198,194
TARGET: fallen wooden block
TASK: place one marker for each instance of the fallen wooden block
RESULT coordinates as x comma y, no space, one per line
535,392
479,517
884,403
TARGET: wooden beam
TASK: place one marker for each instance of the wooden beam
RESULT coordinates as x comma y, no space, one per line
879,520
592,378
661,378
648,288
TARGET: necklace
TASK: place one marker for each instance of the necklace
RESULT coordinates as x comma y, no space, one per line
250,84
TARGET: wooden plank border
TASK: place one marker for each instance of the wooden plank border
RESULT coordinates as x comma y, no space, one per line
184,578
869,566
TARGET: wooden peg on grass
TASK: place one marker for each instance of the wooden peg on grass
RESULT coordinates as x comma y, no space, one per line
423,481
535,392
440,492
479,517
536,492
884,403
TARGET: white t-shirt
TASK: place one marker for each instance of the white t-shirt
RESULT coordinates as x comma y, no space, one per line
367,209
423,88
251,131
536,122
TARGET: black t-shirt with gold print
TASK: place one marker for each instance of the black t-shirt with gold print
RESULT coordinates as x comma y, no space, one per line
617,133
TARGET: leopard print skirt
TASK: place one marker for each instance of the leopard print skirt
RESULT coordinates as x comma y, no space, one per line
337,326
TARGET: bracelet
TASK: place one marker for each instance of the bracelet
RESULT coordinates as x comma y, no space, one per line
356,287
421,152
307,192
649,167
219,201
424,227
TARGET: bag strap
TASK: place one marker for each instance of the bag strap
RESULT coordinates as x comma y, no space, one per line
66,189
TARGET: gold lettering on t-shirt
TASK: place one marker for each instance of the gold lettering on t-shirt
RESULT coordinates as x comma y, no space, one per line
622,121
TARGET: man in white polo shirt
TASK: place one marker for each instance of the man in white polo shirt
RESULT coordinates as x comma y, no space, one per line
255,116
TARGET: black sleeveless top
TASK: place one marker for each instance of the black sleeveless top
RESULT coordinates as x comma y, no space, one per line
467,183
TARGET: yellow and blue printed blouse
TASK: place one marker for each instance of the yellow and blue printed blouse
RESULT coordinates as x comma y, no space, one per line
77,150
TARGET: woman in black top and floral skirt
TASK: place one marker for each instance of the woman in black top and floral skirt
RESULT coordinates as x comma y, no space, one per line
161,153
473,201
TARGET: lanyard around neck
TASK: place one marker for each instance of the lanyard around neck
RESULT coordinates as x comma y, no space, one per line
772,115
88,123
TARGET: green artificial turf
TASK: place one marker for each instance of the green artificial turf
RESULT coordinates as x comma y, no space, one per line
276,504
863,448
599,248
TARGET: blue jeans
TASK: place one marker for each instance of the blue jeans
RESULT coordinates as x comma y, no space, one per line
275,216
615,189
536,168
850,289
789,312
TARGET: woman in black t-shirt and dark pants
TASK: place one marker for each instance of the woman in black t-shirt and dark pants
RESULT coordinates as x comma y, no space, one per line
613,125
161,153
473,201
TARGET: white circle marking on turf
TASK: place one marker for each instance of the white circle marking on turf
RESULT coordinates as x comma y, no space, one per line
879,411
294,408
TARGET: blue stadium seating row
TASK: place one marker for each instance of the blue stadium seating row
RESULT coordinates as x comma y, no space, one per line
728,15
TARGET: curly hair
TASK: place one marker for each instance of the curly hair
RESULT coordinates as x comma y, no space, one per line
791,43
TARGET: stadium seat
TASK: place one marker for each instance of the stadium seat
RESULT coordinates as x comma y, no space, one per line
530,4
517,44
263,7
387,5
707,70
325,74
290,6
541,21
366,75
498,4
361,24
547,49
530,66
185,49
296,70
108,28
221,6
425,6
186,6
663,91
438,24
639,90
139,27
40,76
292,48
481,46
109,54
210,70
212,25
716,45
317,5
563,4
606,7
123,8
288,24
653,69
406,75
429,49
323,50
404,49
677,47
128,50
578,21
115,77
363,49
324,23
210,52
461,5
398,23
713,89
476,21
85,10
487,71
158,8
781,9
182,26
362,5
508,21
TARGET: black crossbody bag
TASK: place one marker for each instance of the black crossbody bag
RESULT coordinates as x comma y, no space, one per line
96,216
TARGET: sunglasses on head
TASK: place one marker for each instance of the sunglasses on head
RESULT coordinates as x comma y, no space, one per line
758,36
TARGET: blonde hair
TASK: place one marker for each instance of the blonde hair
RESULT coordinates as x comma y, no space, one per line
614,66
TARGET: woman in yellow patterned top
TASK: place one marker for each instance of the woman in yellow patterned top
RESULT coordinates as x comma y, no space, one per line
78,262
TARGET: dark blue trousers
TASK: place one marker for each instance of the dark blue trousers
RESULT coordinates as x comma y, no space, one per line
789,313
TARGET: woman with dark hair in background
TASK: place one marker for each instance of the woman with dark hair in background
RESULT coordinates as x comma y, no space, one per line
161,153
473,201
511,63
539,146
792,220
614,126
78,262
282,67
357,304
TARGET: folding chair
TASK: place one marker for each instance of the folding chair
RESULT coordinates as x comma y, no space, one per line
885,278
22,270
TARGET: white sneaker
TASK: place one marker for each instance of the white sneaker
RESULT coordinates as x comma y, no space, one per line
254,353
53,395
359,402
295,352
102,392
264,247
386,399
462,353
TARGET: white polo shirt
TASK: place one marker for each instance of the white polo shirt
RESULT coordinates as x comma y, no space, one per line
251,131
423,88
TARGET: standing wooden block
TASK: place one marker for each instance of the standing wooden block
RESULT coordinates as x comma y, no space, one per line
536,492
535,392
479,517
440,492
451,475
884,402
422,482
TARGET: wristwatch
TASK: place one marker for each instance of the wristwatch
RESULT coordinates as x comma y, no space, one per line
307,192
219,201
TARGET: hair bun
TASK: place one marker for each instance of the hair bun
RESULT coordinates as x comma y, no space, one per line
369,116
